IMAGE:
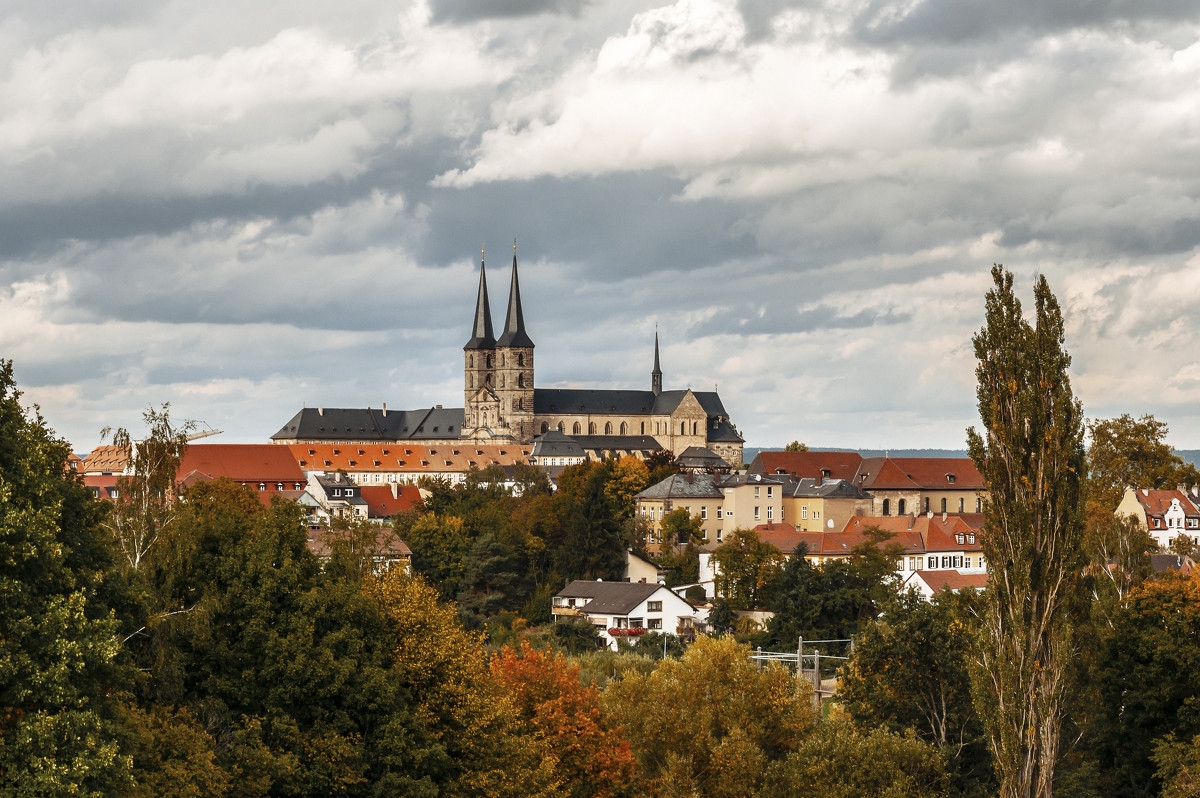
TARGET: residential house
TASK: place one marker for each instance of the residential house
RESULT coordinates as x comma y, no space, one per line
624,610
723,503
1165,514
387,550
385,501
930,583
336,497
902,485
813,505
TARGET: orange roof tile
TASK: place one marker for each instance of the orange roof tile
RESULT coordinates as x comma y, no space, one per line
809,465
925,473
242,462
106,459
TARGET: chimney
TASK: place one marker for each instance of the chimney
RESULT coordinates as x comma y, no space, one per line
337,476
385,409
943,518
320,411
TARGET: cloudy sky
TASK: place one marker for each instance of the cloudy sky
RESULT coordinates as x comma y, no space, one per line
242,208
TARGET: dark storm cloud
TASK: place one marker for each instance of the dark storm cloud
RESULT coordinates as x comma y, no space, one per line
612,226
474,10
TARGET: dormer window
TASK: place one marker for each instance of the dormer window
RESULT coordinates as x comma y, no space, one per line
960,538
971,538
950,478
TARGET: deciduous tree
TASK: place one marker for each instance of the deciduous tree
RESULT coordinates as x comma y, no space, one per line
146,492
708,723
58,644
1130,452
745,568
1030,453
591,759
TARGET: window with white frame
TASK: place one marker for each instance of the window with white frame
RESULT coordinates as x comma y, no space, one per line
756,491
770,512
770,491
653,606
804,511
704,513
756,512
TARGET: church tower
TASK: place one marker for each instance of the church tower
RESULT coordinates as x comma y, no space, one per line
514,366
656,375
481,406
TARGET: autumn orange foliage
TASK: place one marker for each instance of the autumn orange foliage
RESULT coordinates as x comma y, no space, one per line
592,760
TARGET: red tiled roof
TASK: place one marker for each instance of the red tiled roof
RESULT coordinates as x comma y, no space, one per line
952,580
1157,502
808,465
382,504
359,458
110,459
242,462
784,537
925,473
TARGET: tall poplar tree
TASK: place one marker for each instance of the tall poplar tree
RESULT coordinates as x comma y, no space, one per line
1032,457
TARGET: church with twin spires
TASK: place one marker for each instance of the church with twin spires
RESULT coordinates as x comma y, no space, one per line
502,405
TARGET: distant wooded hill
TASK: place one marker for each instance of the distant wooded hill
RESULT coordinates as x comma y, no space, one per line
1190,455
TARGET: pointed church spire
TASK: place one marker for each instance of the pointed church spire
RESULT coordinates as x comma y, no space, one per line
656,375
481,333
514,324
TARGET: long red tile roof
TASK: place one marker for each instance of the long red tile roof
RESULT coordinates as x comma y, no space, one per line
809,465
241,462
925,473
391,457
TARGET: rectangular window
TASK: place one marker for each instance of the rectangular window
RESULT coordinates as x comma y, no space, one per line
703,513
804,511
770,512
756,491
960,505
654,623
816,513
756,512
653,606
635,622
967,562
769,491
720,535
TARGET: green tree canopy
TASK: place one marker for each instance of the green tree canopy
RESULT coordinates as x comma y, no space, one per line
1031,456
745,568
59,643
1131,452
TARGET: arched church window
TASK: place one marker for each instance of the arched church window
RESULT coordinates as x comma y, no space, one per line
683,428
546,427
576,429
624,428
520,360
887,506
520,380
608,428
643,427
693,427
489,361
488,379
470,361
591,428
561,427
900,507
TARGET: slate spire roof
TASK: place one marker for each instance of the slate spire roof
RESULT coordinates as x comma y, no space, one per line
481,332
514,323
656,375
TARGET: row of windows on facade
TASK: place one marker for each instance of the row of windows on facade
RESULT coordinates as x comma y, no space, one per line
487,380
935,562
649,512
1177,523
902,506
487,361
660,427
651,606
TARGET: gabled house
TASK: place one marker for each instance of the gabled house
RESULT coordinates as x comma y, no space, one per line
624,610
930,583
1165,514
902,485
813,505
722,503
